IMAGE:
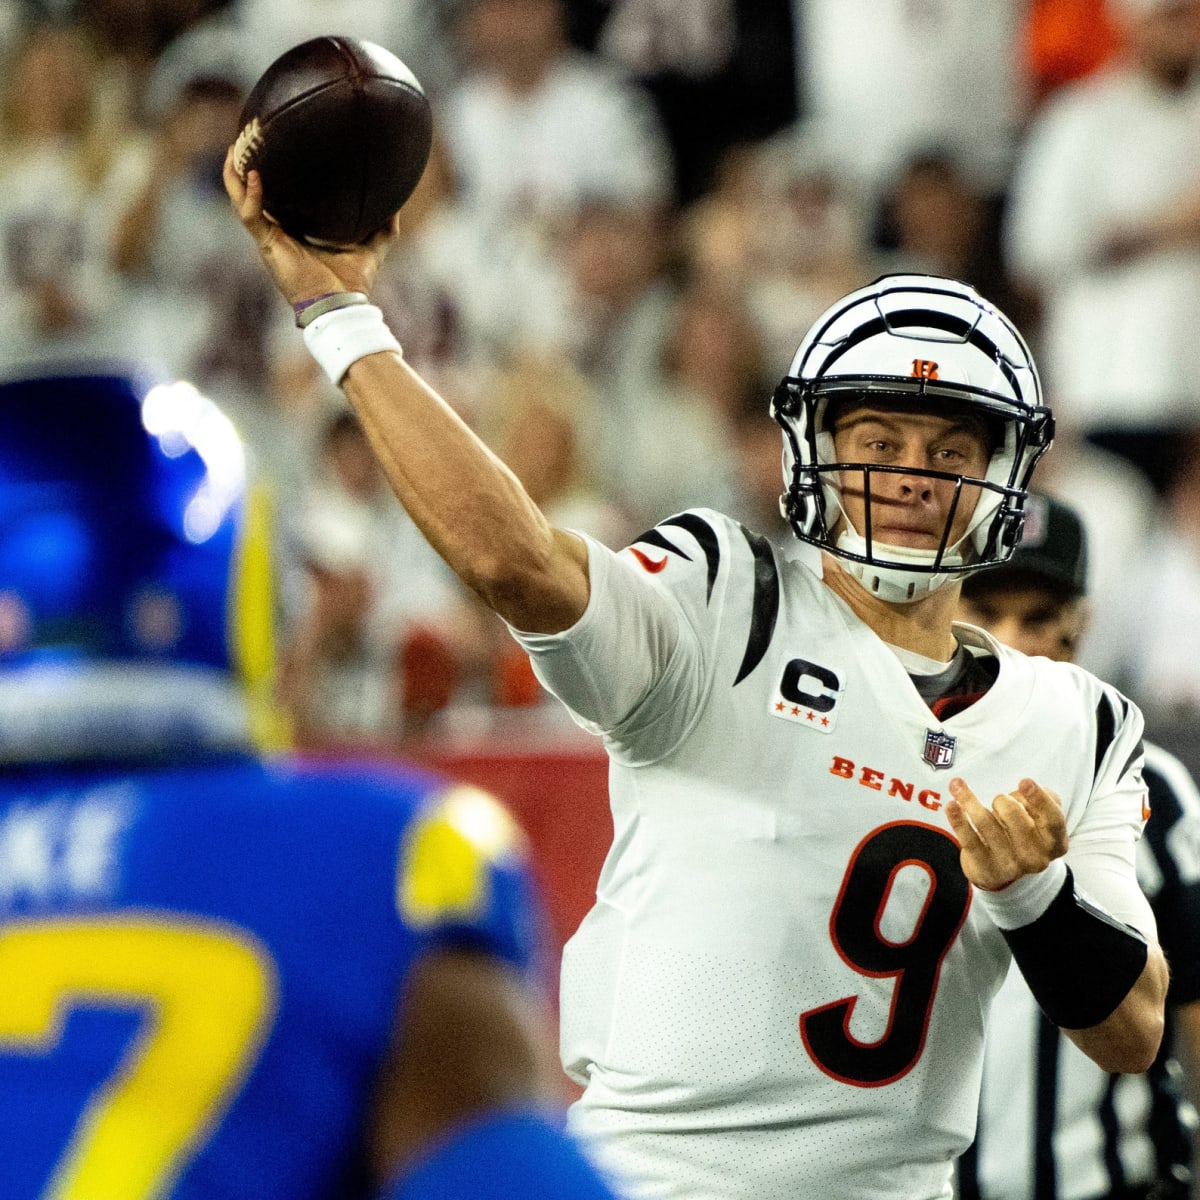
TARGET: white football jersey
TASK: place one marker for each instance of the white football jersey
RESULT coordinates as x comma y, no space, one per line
780,992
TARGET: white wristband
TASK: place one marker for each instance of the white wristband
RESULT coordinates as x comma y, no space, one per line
338,339
1025,899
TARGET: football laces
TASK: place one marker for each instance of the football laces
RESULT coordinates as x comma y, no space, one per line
248,144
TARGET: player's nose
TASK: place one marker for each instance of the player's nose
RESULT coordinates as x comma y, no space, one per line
911,481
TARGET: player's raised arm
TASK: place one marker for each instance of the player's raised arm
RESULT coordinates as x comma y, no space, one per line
466,502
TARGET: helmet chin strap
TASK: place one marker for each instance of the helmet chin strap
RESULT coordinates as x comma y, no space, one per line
893,583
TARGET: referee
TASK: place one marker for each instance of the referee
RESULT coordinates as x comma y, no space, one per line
1052,1125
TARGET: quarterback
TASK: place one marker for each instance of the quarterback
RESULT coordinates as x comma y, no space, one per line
837,817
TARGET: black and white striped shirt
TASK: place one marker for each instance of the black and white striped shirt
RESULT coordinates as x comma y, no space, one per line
1052,1124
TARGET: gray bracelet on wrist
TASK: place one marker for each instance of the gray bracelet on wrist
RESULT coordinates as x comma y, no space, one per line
307,311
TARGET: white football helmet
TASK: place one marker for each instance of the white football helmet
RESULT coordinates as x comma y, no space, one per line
929,343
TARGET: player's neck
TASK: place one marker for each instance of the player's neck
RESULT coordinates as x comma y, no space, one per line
922,626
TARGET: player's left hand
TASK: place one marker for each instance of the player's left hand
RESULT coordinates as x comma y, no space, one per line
1021,834
301,271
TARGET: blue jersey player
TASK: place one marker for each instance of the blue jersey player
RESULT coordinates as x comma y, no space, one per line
225,973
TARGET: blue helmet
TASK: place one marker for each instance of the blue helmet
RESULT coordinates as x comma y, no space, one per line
136,610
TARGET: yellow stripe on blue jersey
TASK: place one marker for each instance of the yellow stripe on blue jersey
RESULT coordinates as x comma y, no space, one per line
252,620
444,870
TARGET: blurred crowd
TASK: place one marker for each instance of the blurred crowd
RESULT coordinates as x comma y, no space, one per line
633,210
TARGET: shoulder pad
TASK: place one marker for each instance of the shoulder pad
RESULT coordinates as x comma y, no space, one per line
711,532
449,853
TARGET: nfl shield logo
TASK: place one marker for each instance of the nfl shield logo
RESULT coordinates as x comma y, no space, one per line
939,748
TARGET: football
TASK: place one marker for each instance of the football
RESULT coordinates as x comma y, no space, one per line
339,129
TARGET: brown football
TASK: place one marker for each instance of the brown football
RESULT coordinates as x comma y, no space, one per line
339,130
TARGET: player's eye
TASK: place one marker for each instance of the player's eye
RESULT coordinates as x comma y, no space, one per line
957,453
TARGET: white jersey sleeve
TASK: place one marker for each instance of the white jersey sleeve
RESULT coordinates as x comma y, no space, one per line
637,666
1103,845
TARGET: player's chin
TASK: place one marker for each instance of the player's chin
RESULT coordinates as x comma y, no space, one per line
906,539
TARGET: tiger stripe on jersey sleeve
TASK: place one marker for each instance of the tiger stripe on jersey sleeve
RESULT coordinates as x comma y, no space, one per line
764,609
764,604
1112,712
1106,729
655,537
706,538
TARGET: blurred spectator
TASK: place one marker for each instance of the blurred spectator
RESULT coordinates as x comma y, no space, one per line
65,164
887,78
1105,225
715,353
173,243
193,307
533,130
721,72
758,474
378,601
653,450
622,300
11,14
716,367
935,219
535,127
1161,621
540,411
1120,513
785,228
717,231
449,284
1064,40
414,30
131,34
412,287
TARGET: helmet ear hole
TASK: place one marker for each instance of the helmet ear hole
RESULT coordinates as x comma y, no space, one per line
785,401
1011,524
1044,431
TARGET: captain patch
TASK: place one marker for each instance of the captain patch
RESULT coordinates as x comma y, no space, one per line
808,694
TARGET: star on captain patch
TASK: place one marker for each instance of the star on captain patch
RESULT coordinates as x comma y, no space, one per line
808,694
